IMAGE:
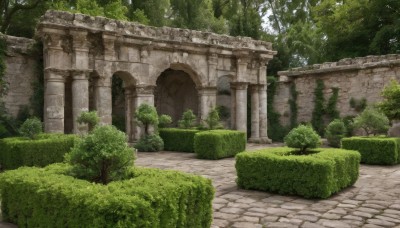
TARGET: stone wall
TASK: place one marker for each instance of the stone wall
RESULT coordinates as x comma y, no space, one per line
21,67
356,78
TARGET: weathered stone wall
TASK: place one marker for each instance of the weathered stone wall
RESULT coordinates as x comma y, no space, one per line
20,73
356,78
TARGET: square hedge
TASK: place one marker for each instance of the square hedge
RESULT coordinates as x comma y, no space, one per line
216,144
316,175
375,150
46,149
176,139
49,197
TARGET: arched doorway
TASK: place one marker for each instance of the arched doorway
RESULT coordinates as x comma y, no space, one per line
175,93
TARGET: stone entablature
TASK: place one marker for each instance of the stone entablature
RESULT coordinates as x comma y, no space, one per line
83,52
357,78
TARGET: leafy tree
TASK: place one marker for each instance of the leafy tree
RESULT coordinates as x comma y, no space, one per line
391,101
335,131
188,119
372,122
213,120
153,12
31,128
102,156
147,116
164,121
89,118
303,138
11,8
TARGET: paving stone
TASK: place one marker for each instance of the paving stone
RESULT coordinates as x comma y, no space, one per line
352,217
344,205
225,216
238,205
339,211
278,211
368,210
232,210
389,219
246,225
380,222
254,214
304,212
362,214
333,223
374,206
391,211
246,200
218,206
372,226
309,218
395,206
268,219
311,225
331,216
353,223
291,221
220,222
280,225
293,206
248,219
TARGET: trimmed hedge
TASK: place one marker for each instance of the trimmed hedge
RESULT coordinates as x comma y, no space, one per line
317,175
375,150
176,139
45,150
216,144
47,197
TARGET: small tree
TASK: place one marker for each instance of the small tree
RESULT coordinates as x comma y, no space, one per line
372,122
31,128
147,116
303,137
213,120
391,100
150,143
188,119
335,131
89,118
164,121
102,156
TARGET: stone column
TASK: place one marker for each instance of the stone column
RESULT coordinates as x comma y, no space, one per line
144,94
233,107
80,98
263,115
241,106
103,100
255,114
207,101
54,100
128,112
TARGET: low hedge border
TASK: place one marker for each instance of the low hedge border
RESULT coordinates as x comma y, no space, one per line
375,150
47,197
176,139
216,144
45,150
317,175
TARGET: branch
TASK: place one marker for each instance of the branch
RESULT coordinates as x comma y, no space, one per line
16,8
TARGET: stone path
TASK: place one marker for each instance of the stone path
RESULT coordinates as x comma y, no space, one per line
374,201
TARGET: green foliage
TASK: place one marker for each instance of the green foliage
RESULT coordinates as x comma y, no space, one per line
102,156
147,116
213,120
358,104
48,197
181,140
391,101
217,144
349,124
31,128
45,150
331,109
150,143
188,119
372,121
276,131
89,118
37,98
335,131
318,113
223,112
303,138
119,122
318,175
293,105
164,121
3,49
375,150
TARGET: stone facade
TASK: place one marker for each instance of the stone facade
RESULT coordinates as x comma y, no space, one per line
20,72
83,53
356,78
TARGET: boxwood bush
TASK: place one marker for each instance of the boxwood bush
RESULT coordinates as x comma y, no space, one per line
375,150
48,197
181,140
216,144
45,150
317,175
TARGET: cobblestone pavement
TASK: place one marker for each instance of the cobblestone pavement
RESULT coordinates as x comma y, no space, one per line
374,201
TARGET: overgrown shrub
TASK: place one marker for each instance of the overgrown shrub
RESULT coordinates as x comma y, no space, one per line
375,150
358,104
213,120
102,156
279,170
164,121
181,140
45,150
391,100
48,197
303,138
218,144
150,143
31,128
188,119
372,122
89,118
147,116
334,133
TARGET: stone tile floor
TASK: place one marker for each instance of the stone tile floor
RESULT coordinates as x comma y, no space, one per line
374,201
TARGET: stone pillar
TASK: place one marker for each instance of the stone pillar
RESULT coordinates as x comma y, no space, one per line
241,106
103,100
109,43
207,101
263,115
54,100
128,112
144,94
255,114
80,98
233,107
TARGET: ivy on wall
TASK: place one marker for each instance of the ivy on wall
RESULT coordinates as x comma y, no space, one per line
276,131
331,109
3,47
293,105
37,99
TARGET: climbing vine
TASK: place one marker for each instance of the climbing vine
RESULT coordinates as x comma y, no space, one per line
331,109
3,84
37,98
293,105
276,131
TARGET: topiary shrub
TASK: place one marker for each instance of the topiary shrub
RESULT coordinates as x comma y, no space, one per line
89,118
213,120
335,131
102,156
31,128
188,119
303,138
164,121
181,140
150,143
372,122
147,116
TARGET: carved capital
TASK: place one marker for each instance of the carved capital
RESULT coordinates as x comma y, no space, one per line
239,85
80,74
213,59
79,39
53,40
55,75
